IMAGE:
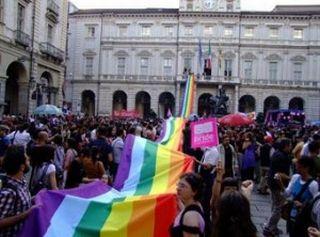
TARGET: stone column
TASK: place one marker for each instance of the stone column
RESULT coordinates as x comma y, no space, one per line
178,100
3,80
236,98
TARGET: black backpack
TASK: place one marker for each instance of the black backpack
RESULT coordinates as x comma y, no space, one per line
41,181
304,219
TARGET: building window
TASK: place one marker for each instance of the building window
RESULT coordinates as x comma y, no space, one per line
188,64
89,65
228,67
169,31
273,71
229,6
121,66
208,30
297,71
248,69
274,32
248,32
228,31
20,20
146,31
167,66
298,33
190,5
123,31
188,31
91,31
144,66
50,34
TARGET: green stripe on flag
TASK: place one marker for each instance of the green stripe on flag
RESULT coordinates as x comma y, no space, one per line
94,218
148,169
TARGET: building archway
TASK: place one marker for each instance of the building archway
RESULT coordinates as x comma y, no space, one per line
16,73
166,104
271,103
204,107
296,103
247,104
143,103
88,102
119,101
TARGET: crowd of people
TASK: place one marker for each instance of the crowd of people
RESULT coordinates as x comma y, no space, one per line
214,200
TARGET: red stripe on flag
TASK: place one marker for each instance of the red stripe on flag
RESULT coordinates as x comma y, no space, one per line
165,213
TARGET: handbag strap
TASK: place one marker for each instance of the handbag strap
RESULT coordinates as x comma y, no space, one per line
303,189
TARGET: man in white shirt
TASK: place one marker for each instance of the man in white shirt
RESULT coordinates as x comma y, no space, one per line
20,136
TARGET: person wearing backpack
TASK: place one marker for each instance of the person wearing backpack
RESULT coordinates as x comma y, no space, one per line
15,199
44,171
302,189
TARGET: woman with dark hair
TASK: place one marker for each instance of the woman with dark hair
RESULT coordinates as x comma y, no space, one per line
70,156
233,216
44,171
93,168
190,221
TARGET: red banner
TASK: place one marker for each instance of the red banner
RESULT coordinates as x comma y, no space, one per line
126,114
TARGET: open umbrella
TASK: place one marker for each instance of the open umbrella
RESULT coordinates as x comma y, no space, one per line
47,110
235,120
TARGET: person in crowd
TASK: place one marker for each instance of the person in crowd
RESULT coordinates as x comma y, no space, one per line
248,160
93,168
302,188
44,171
266,153
233,216
190,221
15,199
117,146
75,175
280,163
228,156
21,136
207,167
222,185
59,155
305,149
70,156
104,149
4,143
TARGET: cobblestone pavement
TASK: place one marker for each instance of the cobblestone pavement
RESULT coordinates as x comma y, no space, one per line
261,211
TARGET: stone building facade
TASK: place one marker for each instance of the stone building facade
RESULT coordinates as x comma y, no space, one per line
32,53
139,58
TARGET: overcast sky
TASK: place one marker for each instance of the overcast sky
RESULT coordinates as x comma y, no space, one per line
258,5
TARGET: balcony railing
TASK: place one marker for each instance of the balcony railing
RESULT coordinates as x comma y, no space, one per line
53,7
52,51
139,78
22,38
290,83
212,79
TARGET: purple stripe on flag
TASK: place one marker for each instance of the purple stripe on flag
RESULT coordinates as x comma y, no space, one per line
163,131
124,167
38,222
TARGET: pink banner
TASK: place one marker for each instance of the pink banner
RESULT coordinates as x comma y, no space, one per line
204,133
126,114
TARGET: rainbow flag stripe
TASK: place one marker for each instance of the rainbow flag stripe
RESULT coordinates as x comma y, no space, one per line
142,202
188,97
171,134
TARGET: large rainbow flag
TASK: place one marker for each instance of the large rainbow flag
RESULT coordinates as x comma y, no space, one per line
141,203
188,97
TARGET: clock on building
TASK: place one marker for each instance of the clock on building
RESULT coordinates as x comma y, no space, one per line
208,4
